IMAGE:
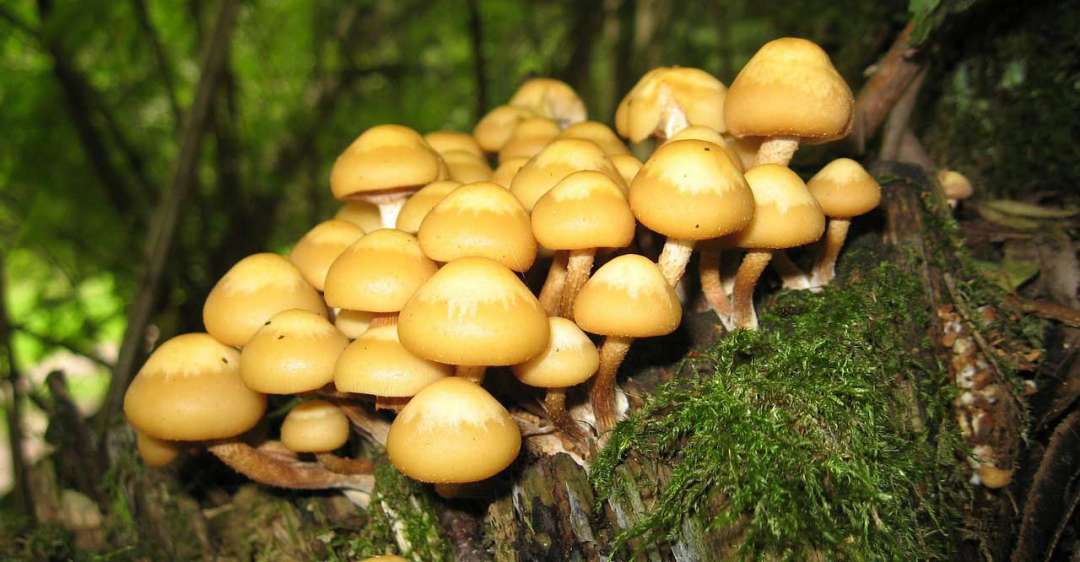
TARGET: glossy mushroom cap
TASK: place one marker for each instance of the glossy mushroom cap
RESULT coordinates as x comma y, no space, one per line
569,359
256,288
420,204
691,190
315,426
378,273
597,132
745,148
506,171
663,92
352,323
584,210
954,184
495,129
482,220
530,137
627,165
294,352
698,132
314,253
558,160
385,158
789,88
446,141
155,452
786,215
474,312
467,167
844,189
628,297
377,364
362,214
453,431
551,98
190,390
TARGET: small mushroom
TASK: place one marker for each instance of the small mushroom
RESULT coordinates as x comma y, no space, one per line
293,353
447,141
844,190
314,426
377,364
420,204
504,174
666,100
466,167
556,161
314,253
529,138
702,133
597,132
353,323
550,98
155,452
495,129
955,185
628,166
362,214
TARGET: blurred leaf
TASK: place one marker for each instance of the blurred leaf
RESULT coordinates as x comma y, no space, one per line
1029,210
999,218
1008,274
928,15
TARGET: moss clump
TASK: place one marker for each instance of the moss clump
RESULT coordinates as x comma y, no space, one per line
798,433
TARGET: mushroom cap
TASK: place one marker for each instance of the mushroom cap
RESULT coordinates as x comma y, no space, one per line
584,210
474,312
466,167
994,477
506,171
844,189
385,158
699,132
530,137
377,364
628,166
628,297
691,190
786,215
789,88
597,132
558,160
294,352
352,323
446,141
745,148
314,253
256,288
190,390
662,91
378,273
453,431
495,129
419,204
483,220
155,452
551,98
315,426
364,214
385,558
569,359
954,184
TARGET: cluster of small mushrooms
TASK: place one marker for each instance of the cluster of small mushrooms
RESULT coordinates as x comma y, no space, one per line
415,289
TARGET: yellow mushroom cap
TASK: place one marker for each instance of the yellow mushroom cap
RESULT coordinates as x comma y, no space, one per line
530,137
661,91
446,141
954,184
994,477
474,312
570,358
256,288
584,210
698,132
483,220
786,215
628,166
844,189
155,452
506,171
314,253
377,364
352,323
190,390
453,431
691,190
361,213
385,158
315,426
551,98
558,160
467,167
385,558
597,132
294,352
420,204
745,148
789,88
378,273
495,129
628,297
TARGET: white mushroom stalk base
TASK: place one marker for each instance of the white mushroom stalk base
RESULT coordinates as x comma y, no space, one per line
578,268
673,259
551,293
825,267
474,374
790,274
275,470
776,150
753,264
602,394
712,286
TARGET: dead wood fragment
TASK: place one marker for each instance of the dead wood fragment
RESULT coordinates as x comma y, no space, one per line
1053,496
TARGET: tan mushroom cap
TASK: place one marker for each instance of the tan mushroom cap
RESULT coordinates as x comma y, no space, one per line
294,352
558,160
420,204
569,359
446,141
453,431
474,312
385,558
467,167
789,88
256,288
745,148
385,158
155,452
551,98
378,273
597,132
315,426
483,220
504,174
628,166
353,323
314,253
628,297
530,137
954,184
377,364
495,129
698,132
361,213
661,91
190,390
584,210
844,189
691,190
786,215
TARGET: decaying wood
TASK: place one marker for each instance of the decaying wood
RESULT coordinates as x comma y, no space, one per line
1053,496
890,79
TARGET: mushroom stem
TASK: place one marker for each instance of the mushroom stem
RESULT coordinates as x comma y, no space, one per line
578,269
474,374
602,394
274,471
711,284
746,278
343,465
551,292
387,319
672,121
673,259
389,211
776,150
555,404
792,276
825,267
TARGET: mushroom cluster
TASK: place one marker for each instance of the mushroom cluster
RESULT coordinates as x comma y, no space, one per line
401,304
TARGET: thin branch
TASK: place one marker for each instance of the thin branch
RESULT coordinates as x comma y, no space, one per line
899,120
70,346
18,23
476,40
23,495
890,79
164,66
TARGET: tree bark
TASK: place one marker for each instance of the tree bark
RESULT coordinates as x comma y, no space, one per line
24,498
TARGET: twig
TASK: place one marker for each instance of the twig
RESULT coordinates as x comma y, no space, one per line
1048,310
73,348
899,119
476,40
164,67
23,495
890,79
67,415
18,23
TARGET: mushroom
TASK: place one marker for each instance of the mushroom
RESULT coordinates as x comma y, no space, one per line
628,166
420,204
314,253
294,352
786,216
385,558
556,161
745,148
702,133
495,129
474,313
256,288
315,426
466,167
955,185
550,98
377,364
362,214
627,298
384,166
790,93
598,133
530,137
504,174
668,99
155,452
844,190
447,141
353,323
